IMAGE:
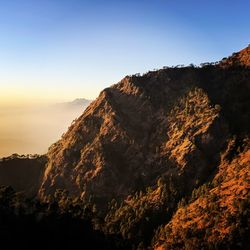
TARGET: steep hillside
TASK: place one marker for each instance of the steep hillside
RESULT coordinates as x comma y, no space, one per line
170,121
217,215
191,150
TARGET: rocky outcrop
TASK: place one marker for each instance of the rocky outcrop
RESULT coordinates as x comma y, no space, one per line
173,121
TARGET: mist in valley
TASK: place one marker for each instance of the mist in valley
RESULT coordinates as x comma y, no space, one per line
31,129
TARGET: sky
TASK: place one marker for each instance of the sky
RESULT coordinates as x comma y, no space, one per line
59,50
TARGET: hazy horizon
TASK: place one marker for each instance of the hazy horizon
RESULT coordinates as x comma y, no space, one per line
31,129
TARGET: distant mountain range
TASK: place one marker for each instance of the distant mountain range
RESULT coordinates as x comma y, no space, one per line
163,159
32,128
81,102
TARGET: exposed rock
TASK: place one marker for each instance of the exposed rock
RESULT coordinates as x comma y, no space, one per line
169,122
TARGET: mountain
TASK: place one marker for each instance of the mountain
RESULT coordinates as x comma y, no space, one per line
78,102
163,158
146,126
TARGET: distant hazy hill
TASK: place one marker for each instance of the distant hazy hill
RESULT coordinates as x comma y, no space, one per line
79,102
31,129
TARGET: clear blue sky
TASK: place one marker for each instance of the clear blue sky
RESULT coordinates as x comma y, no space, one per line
63,49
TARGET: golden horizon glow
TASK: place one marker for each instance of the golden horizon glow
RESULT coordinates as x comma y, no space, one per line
32,128
23,97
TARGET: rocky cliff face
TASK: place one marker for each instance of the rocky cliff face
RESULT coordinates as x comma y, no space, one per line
171,122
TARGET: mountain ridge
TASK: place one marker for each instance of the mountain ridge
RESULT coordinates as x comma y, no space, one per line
109,114
150,149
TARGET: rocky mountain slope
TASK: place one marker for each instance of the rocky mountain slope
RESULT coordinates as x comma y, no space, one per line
217,214
163,158
171,121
